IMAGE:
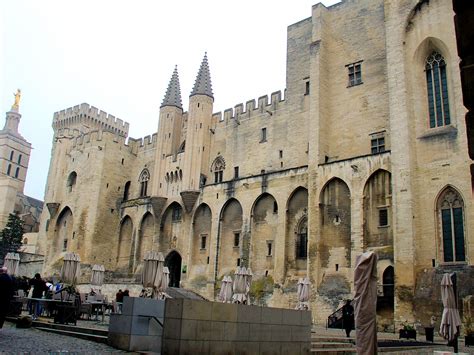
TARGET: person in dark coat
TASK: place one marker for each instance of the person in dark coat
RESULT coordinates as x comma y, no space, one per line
348,317
7,287
39,287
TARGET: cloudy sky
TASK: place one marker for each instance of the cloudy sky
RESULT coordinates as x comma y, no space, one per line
119,56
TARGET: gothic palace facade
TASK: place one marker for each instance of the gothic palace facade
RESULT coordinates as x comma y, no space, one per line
365,150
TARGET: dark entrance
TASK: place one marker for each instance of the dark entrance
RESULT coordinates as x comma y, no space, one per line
173,262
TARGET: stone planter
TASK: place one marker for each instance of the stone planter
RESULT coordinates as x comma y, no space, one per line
408,333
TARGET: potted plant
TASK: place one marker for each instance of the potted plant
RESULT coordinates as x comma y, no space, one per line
469,331
408,332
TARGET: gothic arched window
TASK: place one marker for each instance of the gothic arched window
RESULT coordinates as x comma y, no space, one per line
71,180
437,85
217,168
451,216
302,239
144,177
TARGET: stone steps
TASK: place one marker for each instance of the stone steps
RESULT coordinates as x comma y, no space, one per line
77,334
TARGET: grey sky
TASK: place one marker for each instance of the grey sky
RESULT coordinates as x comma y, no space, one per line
119,56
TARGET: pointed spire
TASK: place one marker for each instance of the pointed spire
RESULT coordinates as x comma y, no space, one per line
173,93
203,85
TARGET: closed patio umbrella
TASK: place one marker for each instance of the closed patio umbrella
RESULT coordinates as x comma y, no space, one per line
152,273
239,287
228,290
303,296
248,284
12,262
165,280
365,298
221,295
71,269
97,278
450,320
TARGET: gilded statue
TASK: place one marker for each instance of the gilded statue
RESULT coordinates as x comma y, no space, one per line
16,104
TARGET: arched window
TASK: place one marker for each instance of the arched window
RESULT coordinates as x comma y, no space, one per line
451,216
302,239
218,167
71,180
9,169
437,85
19,159
11,155
17,172
126,191
144,177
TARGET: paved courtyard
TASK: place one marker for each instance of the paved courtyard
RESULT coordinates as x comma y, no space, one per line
14,340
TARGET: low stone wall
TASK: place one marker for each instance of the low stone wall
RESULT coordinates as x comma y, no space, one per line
203,327
111,289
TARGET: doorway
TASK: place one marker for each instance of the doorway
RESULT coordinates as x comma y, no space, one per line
173,262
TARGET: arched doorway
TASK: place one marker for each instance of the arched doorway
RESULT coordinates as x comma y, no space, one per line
173,262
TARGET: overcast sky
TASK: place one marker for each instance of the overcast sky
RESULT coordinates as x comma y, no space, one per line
119,56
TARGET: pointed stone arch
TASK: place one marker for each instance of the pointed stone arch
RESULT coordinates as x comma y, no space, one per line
146,234
450,216
230,236
377,214
170,227
201,241
335,225
297,209
264,228
63,230
124,254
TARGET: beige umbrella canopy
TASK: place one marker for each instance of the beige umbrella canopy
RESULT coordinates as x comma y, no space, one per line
97,278
304,289
450,320
71,269
239,287
152,273
12,262
225,294
165,280
365,298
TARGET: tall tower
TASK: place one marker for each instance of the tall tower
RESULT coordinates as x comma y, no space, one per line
14,158
198,135
169,130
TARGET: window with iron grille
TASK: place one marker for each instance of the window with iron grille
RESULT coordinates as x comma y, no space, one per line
203,241
383,217
377,145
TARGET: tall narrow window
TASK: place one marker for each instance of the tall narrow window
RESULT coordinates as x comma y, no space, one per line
11,155
176,213
451,215
436,82
19,159
263,137
126,191
144,177
203,241
355,73
236,172
9,169
71,180
218,167
302,240
17,172
236,239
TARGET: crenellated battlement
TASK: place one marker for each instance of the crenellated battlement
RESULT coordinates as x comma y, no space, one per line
264,105
86,117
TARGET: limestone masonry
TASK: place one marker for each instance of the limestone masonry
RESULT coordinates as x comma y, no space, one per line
365,150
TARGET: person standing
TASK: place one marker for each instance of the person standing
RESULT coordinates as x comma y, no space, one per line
39,286
6,293
348,317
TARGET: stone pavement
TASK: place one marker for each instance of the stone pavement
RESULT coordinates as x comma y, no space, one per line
31,340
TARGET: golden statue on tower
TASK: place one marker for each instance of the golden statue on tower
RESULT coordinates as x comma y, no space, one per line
16,104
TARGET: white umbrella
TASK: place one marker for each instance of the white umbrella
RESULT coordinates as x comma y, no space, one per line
11,262
304,289
97,277
221,295
71,269
239,287
165,280
450,321
365,298
228,290
152,273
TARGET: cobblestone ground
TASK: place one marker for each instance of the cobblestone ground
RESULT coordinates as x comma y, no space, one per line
16,341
